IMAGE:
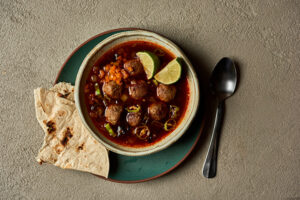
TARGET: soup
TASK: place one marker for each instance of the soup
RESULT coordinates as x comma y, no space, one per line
125,105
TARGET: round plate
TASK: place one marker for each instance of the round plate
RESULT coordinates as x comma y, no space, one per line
128,169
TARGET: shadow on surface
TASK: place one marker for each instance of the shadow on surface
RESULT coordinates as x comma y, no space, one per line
207,106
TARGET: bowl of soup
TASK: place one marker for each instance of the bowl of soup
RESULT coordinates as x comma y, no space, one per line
122,99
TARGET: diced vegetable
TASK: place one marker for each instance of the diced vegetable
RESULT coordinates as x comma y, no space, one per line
142,132
170,124
113,72
110,130
96,69
116,56
174,111
93,114
134,109
86,89
101,74
93,107
94,78
97,90
120,131
155,82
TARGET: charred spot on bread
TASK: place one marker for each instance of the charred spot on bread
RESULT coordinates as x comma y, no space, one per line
50,126
64,95
67,135
80,147
58,148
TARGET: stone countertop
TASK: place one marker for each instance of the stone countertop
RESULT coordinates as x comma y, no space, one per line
259,152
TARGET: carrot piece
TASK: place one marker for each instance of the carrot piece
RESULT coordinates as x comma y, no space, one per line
106,68
86,89
101,74
124,74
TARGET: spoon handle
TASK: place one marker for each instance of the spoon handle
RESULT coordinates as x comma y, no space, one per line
210,164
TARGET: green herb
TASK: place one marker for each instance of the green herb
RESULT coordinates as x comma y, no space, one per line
142,132
169,124
110,130
155,82
97,90
133,109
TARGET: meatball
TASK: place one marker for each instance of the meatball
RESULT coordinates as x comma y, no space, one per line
112,89
158,111
133,119
166,93
133,67
138,90
113,113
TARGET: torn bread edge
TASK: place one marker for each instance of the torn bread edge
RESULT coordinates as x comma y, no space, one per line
67,143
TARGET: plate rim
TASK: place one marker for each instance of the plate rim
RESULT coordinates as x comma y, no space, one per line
202,123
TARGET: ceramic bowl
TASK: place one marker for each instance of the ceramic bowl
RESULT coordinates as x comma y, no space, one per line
97,52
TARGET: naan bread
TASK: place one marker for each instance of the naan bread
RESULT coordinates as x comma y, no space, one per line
67,143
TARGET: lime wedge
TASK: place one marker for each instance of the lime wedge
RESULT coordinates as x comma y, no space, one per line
170,73
149,61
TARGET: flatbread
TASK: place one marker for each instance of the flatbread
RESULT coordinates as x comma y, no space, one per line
65,90
67,143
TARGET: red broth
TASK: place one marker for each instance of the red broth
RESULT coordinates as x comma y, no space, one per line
116,57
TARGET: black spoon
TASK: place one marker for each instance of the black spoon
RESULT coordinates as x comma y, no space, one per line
222,85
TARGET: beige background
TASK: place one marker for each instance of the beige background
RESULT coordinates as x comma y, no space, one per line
259,152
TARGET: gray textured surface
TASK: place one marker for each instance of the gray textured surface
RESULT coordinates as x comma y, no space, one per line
259,151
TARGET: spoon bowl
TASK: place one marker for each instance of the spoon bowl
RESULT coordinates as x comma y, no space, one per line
224,78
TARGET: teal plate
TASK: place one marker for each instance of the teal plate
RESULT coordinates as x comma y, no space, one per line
128,169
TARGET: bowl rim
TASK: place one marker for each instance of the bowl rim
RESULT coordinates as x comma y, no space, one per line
190,67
